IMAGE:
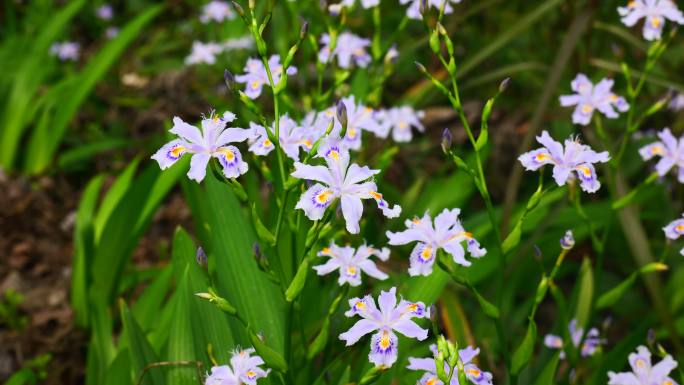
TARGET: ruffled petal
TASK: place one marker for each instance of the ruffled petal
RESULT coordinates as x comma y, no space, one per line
360,329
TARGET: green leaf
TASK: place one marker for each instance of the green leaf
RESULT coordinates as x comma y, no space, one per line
47,137
113,197
83,249
126,224
586,294
549,373
119,372
141,351
229,246
613,295
32,71
148,306
101,350
182,339
209,325
513,239
487,307
272,358
298,281
80,155
523,353
262,232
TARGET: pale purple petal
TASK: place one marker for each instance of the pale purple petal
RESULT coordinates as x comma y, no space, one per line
198,166
315,173
186,131
384,348
352,209
410,329
360,329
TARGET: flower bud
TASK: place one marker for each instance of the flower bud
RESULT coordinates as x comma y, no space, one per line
651,337
446,140
423,7
568,240
304,30
229,79
537,253
201,257
238,9
421,67
504,84
342,116
392,55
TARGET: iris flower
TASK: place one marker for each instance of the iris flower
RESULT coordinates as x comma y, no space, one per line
292,138
104,12
243,369
671,153
675,230
575,157
654,12
217,11
590,344
643,372
413,11
211,141
339,179
67,50
351,262
446,234
203,53
400,120
590,97
385,320
335,9
349,50
255,76
472,372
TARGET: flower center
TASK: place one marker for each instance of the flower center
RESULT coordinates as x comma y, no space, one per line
267,143
385,341
655,150
586,108
542,156
584,170
228,154
324,196
426,254
640,363
251,374
176,151
256,84
680,228
474,372
431,381
655,22
352,133
351,270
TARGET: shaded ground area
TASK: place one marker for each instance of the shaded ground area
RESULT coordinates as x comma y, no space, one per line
36,225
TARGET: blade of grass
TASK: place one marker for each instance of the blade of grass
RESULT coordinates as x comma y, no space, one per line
46,138
83,249
27,81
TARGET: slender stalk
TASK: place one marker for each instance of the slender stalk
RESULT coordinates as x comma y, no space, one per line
484,192
276,121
